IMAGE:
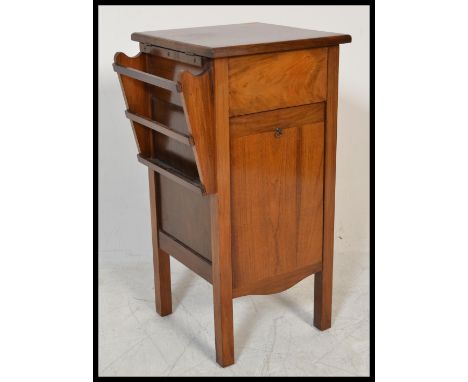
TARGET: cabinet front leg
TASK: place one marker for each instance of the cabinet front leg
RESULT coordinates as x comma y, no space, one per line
323,300
223,322
161,261
220,204
222,288
324,279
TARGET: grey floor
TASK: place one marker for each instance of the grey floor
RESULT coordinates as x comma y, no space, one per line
273,334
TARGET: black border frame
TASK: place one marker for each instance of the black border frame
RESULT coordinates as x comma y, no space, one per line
371,5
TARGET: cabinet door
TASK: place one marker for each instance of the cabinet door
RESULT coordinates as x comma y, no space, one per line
277,193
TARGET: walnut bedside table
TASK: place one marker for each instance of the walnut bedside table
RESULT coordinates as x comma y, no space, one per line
237,126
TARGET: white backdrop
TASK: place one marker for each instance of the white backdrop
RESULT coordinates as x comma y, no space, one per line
123,189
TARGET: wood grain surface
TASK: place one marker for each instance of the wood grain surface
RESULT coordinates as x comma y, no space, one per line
136,99
166,108
197,100
277,199
185,215
272,81
324,279
184,254
278,283
221,222
282,118
239,39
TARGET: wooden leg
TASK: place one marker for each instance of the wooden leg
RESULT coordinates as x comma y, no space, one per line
224,336
223,322
324,279
161,261
222,294
220,206
323,300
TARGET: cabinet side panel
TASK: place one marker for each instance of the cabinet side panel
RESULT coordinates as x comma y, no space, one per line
185,215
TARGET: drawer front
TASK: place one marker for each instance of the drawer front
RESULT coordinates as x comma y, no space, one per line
272,81
277,194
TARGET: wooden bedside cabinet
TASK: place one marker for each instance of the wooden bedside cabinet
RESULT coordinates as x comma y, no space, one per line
237,126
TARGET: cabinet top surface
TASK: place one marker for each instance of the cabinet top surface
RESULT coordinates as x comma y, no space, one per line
239,39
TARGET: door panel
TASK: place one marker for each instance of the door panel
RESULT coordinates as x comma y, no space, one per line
277,198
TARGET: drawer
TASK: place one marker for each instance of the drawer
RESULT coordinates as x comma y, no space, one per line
272,81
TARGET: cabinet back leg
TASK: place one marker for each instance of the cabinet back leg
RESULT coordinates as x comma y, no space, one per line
162,282
161,261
